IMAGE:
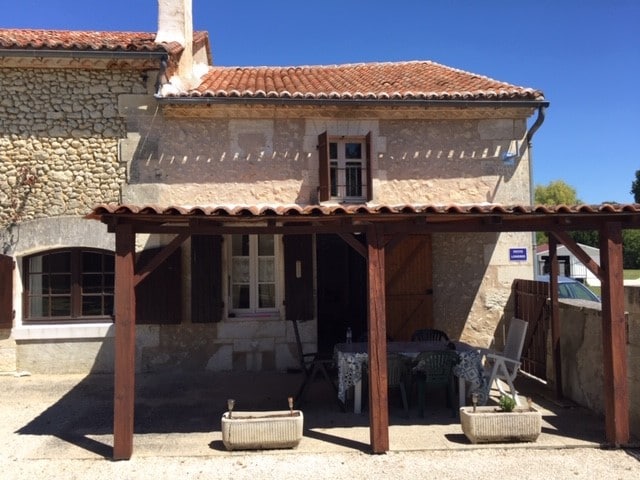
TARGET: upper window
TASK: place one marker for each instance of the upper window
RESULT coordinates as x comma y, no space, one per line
253,273
69,285
345,168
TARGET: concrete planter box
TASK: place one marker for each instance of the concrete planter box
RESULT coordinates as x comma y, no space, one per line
262,430
490,424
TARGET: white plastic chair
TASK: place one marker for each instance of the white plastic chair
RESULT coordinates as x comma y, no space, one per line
504,366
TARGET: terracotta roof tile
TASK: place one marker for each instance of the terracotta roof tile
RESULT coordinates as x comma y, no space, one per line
80,40
416,80
244,211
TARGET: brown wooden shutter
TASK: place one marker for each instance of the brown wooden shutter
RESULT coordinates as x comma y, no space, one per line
298,290
369,173
206,278
159,296
324,189
6,291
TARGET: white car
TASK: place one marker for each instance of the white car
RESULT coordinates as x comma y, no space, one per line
571,288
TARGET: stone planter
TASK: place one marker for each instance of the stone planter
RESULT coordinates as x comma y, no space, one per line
490,424
262,430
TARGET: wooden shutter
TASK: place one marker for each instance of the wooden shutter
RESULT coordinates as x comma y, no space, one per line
324,189
6,291
206,278
159,296
298,286
368,166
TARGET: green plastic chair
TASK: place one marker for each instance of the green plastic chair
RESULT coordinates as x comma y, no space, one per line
434,369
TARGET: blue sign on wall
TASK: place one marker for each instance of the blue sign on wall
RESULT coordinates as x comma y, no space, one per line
518,254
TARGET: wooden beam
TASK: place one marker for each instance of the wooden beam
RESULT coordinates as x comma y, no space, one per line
353,242
573,247
555,315
160,257
378,389
614,338
125,342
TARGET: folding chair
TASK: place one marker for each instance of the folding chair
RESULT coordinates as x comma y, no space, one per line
312,364
504,366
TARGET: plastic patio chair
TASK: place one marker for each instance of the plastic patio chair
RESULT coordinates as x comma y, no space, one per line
429,335
434,369
398,377
503,366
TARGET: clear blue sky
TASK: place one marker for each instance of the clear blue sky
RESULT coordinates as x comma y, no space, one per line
584,55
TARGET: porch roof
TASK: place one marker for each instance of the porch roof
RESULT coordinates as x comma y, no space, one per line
353,217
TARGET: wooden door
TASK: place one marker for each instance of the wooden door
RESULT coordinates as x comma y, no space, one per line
6,291
531,306
409,286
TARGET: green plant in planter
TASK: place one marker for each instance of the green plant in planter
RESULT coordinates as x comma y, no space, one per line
507,403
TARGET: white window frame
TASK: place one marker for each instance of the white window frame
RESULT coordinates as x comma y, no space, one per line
254,309
339,168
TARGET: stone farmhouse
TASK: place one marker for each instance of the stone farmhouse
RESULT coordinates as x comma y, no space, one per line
112,126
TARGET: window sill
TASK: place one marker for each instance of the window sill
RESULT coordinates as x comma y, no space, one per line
66,331
270,317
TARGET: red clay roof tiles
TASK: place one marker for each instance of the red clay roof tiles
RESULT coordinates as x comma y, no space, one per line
415,80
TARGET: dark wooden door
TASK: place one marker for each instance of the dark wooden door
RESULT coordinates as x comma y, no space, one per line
342,292
409,287
531,306
6,291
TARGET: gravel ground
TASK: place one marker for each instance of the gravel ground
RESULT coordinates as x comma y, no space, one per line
52,428
503,464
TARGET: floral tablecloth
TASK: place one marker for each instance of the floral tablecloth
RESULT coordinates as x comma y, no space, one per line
350,358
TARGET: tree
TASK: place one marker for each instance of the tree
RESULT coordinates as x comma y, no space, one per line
555,193
635,187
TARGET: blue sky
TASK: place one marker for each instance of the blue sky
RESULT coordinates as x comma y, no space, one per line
584,55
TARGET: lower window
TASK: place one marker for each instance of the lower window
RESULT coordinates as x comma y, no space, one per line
69,285
253,274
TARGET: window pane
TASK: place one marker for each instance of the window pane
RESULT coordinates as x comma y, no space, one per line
352,150
109,283
92,283
354,179
266,269
265,245
109,263
60,283
333,178
61,306
240,245
333,150
108,305
91,262
240,296
35,264
92,305
37,283
38,306
267,295
58,262
240,270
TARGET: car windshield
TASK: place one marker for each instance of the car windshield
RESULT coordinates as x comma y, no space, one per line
577,291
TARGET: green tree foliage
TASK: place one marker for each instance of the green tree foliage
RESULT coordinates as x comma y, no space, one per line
555,193
631,249
635,187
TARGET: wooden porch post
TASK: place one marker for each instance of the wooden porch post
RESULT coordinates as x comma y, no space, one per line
555,315
614,338
125,340
378,394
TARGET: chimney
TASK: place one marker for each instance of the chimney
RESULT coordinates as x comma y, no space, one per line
175,24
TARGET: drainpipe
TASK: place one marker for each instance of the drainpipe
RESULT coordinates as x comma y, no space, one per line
534,128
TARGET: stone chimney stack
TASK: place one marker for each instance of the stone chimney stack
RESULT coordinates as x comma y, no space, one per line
175,24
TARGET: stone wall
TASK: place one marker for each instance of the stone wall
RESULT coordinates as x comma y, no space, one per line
581,347
59,133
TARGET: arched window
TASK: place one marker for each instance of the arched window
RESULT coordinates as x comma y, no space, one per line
69,285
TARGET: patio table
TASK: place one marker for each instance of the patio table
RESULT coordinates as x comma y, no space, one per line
349,358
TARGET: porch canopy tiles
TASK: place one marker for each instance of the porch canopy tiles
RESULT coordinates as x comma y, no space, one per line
384,226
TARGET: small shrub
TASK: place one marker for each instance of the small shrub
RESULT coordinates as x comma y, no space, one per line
507,403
